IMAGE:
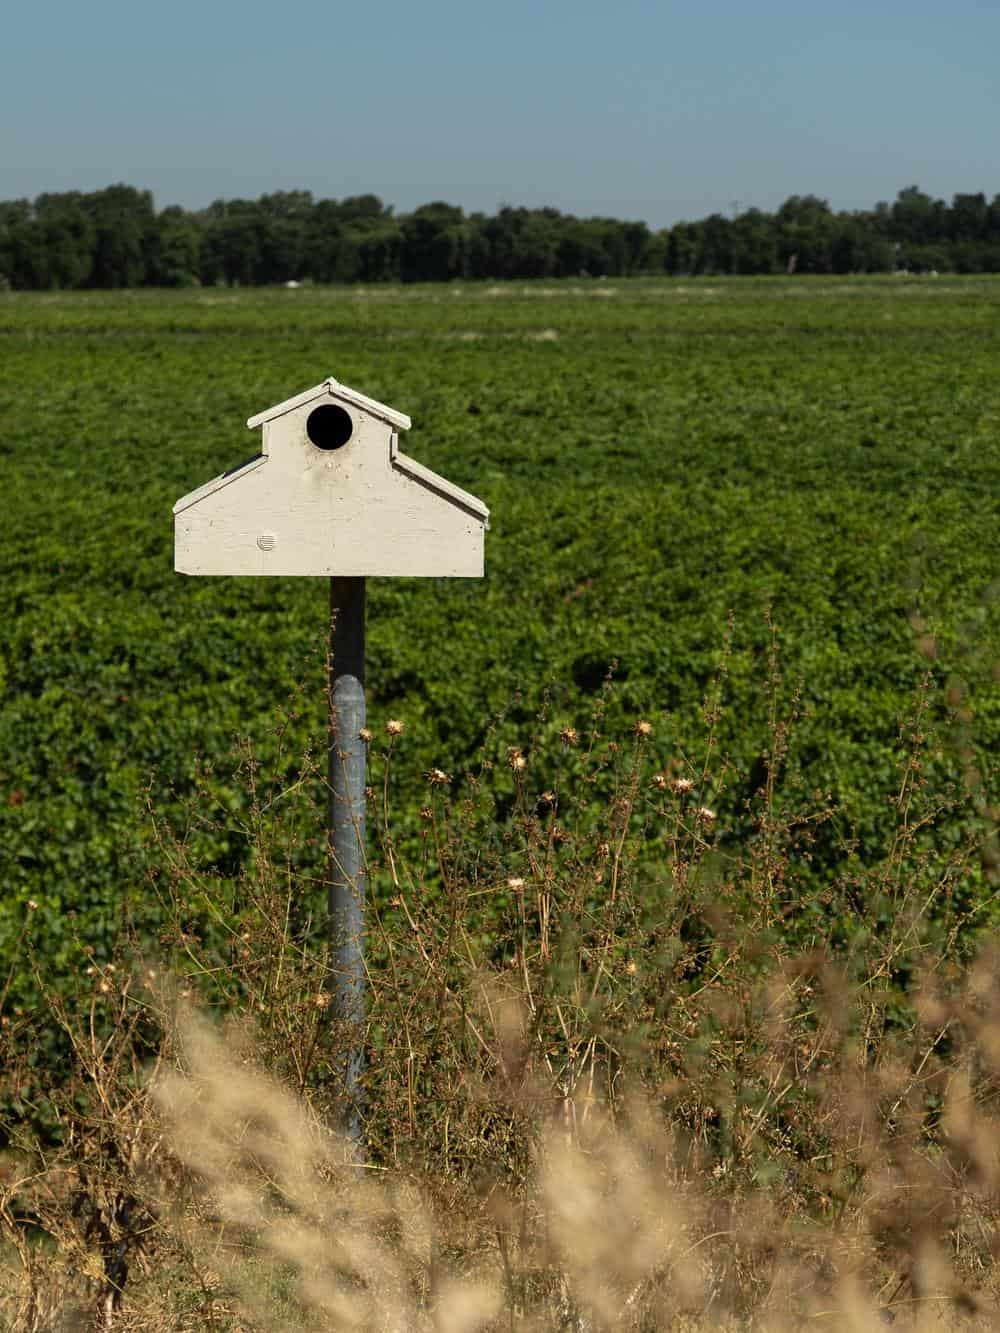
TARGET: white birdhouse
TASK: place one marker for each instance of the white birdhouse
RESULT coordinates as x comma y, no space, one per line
330,494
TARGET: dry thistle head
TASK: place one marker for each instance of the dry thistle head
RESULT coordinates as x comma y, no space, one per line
515,884
437,777
704,815
569,736
643,728
516,759
394,727
366,734
659,781
681,785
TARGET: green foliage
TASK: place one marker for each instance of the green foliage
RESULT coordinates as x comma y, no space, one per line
594,972
114,238
656,458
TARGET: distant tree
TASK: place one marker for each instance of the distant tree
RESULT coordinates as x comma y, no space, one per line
755,248
970,218
917,219
635,243
379,252
716,251
435,244
68,236
231,246
858,247
683,249
121,216
656,251
364,209
173,250
581,249
289,205
22,256
479,246
807,230
115,238
370,241
523,243
322,242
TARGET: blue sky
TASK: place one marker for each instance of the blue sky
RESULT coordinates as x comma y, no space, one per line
641,110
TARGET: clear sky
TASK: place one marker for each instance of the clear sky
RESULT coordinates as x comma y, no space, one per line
636,109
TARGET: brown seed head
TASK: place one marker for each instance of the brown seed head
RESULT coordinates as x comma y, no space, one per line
394,727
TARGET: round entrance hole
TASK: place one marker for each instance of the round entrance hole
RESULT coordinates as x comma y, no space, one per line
329,427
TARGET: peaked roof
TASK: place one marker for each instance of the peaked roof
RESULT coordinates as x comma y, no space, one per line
331,386
441,485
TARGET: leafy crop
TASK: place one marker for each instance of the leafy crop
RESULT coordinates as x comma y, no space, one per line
656,456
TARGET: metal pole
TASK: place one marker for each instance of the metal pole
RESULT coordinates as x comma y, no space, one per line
348,873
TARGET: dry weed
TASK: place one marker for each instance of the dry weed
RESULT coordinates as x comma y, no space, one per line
622,1072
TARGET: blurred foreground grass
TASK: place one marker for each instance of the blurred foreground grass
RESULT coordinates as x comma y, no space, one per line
619,1074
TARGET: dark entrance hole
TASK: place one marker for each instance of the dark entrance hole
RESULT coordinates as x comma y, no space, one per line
329,427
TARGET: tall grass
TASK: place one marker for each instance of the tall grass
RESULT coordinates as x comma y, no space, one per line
625,1068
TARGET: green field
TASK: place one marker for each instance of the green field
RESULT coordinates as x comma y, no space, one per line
656,455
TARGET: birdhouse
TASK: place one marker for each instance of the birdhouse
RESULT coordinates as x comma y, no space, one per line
330,493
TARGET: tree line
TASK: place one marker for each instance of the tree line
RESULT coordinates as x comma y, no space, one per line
115,237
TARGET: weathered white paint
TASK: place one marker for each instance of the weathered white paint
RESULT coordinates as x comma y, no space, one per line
363,509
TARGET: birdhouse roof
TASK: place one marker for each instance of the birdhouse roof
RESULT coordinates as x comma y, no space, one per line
332,387
441,485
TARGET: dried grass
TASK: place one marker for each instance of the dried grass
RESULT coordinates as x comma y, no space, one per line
610,1085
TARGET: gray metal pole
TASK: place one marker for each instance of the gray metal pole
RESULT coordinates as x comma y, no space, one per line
348,875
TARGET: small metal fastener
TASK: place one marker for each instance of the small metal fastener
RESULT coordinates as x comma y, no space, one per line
267,541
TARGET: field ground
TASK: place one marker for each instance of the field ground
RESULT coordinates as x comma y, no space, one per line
655,454
763,915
